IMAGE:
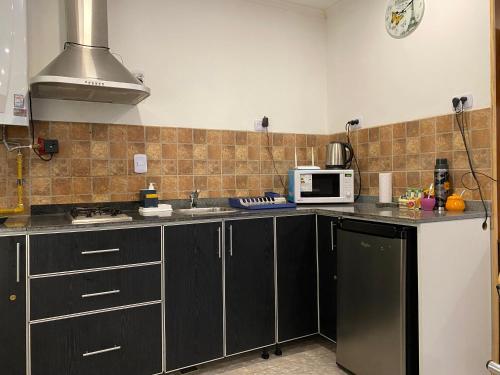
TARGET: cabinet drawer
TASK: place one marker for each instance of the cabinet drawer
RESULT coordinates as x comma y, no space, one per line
125,342
63,295
62,252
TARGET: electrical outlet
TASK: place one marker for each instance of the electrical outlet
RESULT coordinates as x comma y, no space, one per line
51,146
360,122
469,103
258,126
47,146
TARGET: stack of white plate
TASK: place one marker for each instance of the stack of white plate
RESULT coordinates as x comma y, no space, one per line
161,210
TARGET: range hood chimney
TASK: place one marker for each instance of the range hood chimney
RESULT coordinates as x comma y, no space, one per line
86,70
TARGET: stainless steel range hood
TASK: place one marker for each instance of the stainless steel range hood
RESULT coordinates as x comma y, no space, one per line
86,70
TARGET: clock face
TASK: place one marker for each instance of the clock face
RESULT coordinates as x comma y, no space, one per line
403,17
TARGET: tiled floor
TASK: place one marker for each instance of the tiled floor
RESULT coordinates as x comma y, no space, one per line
310,357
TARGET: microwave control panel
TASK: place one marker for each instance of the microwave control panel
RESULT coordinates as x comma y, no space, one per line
349,185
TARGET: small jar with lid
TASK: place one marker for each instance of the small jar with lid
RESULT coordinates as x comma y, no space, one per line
455,203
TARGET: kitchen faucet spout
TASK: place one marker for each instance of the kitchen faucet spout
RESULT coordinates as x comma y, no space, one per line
194,198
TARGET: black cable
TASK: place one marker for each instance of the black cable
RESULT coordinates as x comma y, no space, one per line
270,151
474,188
459,114
359,177
348,129
470,172
32,126
42,158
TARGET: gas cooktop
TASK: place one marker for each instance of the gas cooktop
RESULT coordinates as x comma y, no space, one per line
97,215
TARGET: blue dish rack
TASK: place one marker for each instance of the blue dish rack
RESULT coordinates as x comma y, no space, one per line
260,203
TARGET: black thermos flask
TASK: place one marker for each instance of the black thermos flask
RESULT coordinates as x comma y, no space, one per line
441,183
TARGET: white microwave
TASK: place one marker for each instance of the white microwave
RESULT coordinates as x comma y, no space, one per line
321,186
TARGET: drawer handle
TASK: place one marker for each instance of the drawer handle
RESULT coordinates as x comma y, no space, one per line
331,235
100,251
18,256
231,240
90,295
113,349
220,242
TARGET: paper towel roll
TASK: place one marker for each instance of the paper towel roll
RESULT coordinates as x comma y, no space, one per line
385,187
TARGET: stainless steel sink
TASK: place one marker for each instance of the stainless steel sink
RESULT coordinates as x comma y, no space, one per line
205,211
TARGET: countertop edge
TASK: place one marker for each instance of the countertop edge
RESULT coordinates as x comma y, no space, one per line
59,223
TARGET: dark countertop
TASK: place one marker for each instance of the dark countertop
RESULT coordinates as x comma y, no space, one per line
15,225
394,215
361,211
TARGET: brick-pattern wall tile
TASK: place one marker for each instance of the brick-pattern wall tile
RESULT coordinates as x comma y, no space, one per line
95,160
409,151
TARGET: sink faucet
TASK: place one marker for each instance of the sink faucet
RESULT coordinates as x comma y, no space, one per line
194,198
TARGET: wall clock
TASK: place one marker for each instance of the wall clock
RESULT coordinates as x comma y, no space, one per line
403,17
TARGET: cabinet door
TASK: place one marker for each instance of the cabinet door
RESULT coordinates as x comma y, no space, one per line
13,305
297,271
250,302
193,294
327,261
124,342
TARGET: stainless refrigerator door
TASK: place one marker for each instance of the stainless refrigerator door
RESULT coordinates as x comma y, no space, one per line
371,304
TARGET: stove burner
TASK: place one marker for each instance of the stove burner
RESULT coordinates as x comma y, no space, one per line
93,212
94,215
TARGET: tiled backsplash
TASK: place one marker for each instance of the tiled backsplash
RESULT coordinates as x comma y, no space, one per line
95,160
409,151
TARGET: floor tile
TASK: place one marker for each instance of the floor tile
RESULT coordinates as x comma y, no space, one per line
306,357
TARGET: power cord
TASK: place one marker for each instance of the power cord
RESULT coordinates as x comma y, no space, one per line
348,132
458,105
265,125
478,173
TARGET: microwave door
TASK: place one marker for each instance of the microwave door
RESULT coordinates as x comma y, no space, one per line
321,186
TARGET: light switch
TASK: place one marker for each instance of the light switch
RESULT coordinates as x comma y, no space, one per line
140,163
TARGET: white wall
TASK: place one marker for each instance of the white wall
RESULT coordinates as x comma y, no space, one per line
209,63
388,80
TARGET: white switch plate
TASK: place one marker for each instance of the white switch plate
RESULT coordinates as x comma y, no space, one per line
140,163
258,126
470,100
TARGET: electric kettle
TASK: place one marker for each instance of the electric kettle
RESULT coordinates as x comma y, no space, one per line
338,155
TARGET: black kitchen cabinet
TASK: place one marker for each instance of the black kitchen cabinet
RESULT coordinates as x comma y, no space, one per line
125,342
250,296
193,294
297,277
13,305
327,261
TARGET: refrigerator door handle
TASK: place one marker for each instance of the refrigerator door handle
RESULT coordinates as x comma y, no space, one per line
331,235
